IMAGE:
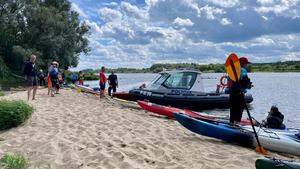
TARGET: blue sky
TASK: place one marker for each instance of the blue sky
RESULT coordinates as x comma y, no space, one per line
139,33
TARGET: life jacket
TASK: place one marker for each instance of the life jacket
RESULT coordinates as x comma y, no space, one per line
275,120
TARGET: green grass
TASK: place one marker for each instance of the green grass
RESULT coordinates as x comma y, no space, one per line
1,93
13,113
17,161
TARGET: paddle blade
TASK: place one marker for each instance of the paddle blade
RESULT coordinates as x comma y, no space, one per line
233,67
261,150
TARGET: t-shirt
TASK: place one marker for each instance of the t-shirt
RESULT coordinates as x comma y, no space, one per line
102,78
30,69
113,80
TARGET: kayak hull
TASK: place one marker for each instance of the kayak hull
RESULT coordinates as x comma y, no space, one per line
198,102
275,163
86,89
169,112
284,141
214,130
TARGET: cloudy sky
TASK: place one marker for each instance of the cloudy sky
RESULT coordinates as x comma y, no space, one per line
139,33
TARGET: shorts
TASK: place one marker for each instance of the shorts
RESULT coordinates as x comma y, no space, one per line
31,81
102,86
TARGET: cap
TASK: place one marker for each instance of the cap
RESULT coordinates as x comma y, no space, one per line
244,60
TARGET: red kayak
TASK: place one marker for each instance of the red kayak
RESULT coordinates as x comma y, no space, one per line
168,112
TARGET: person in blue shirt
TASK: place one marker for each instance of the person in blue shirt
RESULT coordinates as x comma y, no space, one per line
237,91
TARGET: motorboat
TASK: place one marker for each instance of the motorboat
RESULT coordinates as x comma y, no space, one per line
182,88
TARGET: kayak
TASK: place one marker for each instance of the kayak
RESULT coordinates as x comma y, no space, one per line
123,96
126,103
86,89
215,130
286,141
168,112
276,163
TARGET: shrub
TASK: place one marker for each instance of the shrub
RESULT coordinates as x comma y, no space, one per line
13,113
17,161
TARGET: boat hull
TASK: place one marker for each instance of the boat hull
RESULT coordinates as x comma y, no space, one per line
200,102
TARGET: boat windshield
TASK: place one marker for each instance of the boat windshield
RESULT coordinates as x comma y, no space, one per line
161,79
182,80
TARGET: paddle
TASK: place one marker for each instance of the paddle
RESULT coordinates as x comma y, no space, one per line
233,69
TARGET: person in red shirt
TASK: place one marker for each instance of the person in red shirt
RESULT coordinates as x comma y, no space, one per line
102,81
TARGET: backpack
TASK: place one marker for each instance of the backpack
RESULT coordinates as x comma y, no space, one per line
53,73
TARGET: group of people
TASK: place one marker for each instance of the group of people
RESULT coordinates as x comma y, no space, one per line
55,79
237,92
112,82
33,77
237,89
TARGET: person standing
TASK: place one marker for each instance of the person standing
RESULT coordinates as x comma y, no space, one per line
42,78
102,81
30,72
80,78
49,83
112,82
54,77
237,91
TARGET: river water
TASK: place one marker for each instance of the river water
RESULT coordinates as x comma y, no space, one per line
281,89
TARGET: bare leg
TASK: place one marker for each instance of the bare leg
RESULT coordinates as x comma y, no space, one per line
28,92
34,92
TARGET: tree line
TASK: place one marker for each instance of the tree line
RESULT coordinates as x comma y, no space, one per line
287,66
46,28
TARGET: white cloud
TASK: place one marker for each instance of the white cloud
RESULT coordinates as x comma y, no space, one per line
109,14
132,10
76,8
290,57
211,12
287,8
225,3
183,22
138,35
265,18
226,21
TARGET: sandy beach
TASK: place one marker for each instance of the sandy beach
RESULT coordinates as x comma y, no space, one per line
77,130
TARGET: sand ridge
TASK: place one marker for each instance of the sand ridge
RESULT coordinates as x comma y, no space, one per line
76,130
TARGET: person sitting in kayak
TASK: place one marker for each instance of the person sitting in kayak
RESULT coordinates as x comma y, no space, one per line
274,119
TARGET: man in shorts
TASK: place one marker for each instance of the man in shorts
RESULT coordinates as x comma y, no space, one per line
30,72
102,81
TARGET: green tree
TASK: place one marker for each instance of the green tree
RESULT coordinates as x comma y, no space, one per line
48,28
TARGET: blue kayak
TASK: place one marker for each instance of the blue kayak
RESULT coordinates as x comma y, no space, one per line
216,130
286,141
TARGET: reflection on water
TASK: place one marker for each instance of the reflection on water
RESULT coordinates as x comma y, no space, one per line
269,88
